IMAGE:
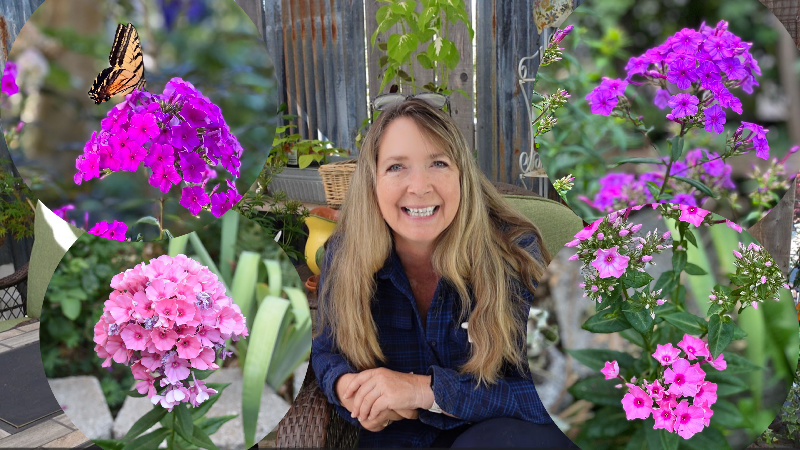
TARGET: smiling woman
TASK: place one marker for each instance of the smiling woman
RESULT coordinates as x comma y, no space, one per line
424,296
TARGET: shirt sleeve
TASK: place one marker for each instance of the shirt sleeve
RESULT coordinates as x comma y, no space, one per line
513,395
327,360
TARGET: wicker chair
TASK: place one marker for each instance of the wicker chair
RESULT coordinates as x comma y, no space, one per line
312,422
18,280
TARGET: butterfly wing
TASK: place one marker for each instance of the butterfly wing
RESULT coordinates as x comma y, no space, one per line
127,67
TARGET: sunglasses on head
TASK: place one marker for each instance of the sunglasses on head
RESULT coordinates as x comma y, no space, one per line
384,101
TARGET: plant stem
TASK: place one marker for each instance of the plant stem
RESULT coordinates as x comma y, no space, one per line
161,216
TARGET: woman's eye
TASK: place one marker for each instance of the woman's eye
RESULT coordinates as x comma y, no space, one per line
394,168
440,164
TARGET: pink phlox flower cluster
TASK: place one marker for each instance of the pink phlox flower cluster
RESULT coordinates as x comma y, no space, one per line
692,214
757,275
681,399
114,231
180,135
9,84
694,72
166,319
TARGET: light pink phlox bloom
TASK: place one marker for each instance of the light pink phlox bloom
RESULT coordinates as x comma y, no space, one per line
718,363
146,387
103,354
688,420
230,321
637,404
694,347
666,354
609,263
754,304
151,361
115,347
167,312
737,254
205,360
140,372
101,329
120,306
647,258
611,370
160,289
636,227
684,378
209,336
574,257
143,307
176,368
753,246
667,234
184,313
706,394
588,232
135,337
189,347
665,419
692,214
163,338
573,243
199,393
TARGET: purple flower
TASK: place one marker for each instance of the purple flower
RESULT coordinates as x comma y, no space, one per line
115,231
708,73
194,198
715,119
164,176
686,41
143,127
683,105
682,73
9,83
662,98
636,66
601,100
192,167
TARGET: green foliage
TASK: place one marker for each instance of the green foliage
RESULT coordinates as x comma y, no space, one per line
16,209
307,150
424,38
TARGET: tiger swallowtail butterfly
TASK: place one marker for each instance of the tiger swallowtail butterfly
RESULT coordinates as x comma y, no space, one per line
127,67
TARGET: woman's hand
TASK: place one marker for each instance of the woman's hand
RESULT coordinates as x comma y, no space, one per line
376,390
385,418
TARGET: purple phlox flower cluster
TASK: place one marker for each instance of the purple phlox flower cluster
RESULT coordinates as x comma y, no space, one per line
9,84
680,398
694,72
609,247
751,136
621,190
165,319
180,135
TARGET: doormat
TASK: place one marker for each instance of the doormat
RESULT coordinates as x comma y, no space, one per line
25,395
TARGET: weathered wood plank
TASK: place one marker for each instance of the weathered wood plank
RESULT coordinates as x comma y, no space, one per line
788,12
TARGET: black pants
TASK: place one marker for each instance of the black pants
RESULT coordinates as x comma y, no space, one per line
504,433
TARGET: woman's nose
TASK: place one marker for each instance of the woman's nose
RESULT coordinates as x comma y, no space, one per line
419,182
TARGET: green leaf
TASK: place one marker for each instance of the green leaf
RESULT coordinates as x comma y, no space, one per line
697,185
606,322
145,422
607,422
598,390
660,439
726,414
71,307
274,277
633,337
177,245
263,340
304,161
738,333
149,220
694,269
666,282
720,334
243,287
640,319
678,261
183,423
686,322
636,279
738,364
676,147
637,441
596,358
640,161
149,440
212,424
709,438
425,61
690,237
200,435
401,46
227,243
109,444
727,383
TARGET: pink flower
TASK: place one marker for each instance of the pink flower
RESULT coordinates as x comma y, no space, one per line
718,363
706,394
692,214
733,225
637,404
588,232
163,338
609,263
176,368
189,347
694,347
611,370
688,420
665,419
684,378
656,390
666,354
135,337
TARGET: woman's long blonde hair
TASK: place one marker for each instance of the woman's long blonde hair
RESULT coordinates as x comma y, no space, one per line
477,254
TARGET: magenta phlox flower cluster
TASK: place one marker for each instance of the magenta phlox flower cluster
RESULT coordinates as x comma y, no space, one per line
9,84
114,231
694,72
620,190
609,247
180,135
166,319
680,398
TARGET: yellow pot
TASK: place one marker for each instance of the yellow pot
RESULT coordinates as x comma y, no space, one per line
321,223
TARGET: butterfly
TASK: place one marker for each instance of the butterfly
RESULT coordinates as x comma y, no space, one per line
127,67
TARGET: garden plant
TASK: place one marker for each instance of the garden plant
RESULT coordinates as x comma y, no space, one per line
679,381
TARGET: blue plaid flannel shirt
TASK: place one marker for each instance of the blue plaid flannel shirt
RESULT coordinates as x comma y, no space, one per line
438,350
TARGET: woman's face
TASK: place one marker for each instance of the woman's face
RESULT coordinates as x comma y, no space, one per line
418,186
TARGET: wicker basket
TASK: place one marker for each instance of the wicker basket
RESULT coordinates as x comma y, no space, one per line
336,180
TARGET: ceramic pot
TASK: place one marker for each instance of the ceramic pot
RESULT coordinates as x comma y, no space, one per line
321,222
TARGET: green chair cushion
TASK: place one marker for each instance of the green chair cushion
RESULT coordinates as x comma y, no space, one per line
557,223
